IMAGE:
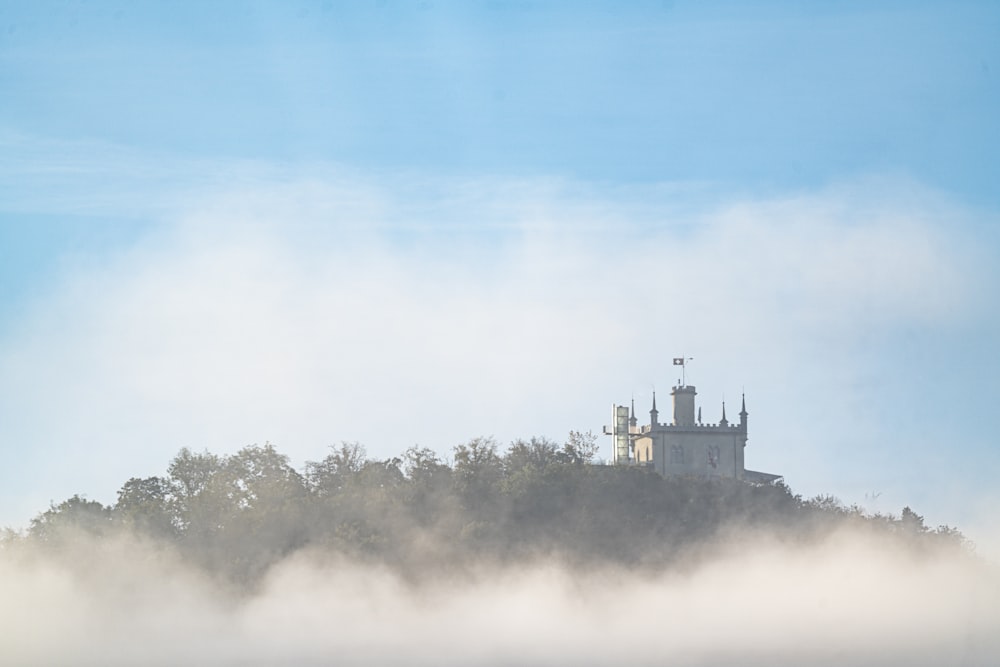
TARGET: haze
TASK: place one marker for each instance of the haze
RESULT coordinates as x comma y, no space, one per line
533,555
846,600
417,223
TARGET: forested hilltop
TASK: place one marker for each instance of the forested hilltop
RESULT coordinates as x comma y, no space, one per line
234,516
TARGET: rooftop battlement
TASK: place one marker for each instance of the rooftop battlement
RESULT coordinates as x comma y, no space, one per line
686,446
648,428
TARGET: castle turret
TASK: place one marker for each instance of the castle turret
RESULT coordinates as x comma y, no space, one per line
632,421
723,421
654,413
683,405
740,467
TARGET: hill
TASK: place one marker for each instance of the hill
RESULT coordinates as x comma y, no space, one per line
236,516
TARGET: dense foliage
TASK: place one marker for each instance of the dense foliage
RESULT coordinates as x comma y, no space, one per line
236,515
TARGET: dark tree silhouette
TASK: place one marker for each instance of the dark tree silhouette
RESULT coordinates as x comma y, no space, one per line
237,515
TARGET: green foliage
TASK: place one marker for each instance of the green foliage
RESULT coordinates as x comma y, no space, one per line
580,447
421,464
912,522
477,473
147,506
76,514
328,476
237,515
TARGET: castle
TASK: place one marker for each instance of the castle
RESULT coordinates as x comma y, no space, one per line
686,446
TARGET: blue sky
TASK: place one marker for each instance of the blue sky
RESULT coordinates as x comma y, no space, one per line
419,222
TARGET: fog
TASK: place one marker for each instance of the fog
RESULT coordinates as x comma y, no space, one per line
849,599
228,324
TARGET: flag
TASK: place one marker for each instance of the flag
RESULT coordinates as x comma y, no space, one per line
678,361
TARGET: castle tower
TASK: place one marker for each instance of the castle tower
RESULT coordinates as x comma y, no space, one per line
686,447
683,405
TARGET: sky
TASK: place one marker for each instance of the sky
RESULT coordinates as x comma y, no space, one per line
420,222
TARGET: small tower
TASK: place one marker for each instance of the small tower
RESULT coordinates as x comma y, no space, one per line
654,413
683,405
632,421
723,421
741,468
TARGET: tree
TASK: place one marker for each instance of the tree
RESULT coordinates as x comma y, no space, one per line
912,522
237,515
197,509
536,454
382,475
264,502
71,515
477,473
9,537
580,447
193,472
147,505
421,464
328,476
260,479
427,497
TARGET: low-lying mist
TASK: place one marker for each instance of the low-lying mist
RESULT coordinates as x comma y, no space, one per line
848,599
532,556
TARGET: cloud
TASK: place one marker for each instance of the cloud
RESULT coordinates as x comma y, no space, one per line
849,599
307,310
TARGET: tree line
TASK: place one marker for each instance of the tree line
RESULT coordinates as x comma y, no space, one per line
236,515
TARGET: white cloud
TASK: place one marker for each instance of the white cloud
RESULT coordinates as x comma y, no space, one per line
306,311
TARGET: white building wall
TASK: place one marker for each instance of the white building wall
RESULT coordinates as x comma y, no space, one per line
702,452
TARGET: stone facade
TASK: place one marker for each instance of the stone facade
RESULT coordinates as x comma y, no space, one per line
686,446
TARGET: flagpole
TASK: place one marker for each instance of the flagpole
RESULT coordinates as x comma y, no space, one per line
682,362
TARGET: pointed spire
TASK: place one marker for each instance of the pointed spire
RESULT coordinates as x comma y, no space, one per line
654,413
654,400
743,411
632,420
723,421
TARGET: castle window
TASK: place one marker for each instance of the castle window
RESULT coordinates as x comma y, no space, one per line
677,454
